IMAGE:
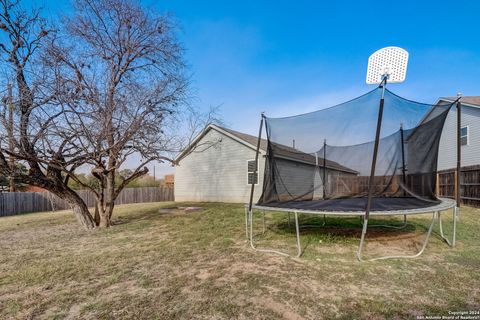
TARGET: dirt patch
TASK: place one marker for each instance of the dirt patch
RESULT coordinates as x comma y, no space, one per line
130,286
180,210
279,308
203,274
74,312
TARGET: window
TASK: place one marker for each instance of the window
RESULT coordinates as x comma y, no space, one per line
252,175
464,136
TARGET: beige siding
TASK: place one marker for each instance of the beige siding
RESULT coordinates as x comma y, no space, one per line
216,171
448,143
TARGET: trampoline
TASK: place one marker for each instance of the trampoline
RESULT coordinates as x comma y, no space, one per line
436,210
375,155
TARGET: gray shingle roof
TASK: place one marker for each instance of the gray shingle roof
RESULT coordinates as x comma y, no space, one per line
473,100
287,152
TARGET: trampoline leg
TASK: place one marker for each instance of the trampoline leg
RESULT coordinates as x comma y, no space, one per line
252,243
297,229
246,223
324,220
455,218
450,243
250,218
424,245
289,219
362,239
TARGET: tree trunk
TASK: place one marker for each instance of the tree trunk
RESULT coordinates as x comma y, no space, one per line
106,214
11,145
101,219
80,210
99,205
97,212
110,209
104,220
83,216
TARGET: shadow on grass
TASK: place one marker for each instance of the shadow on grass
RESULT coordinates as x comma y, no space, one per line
168,209
346,229
153,214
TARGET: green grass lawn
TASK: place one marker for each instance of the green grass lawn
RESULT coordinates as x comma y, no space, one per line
153,265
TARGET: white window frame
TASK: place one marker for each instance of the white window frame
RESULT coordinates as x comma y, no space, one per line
258,172
468,136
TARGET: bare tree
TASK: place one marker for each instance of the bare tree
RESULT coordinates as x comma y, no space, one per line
30,128
121,79
10,109
109,86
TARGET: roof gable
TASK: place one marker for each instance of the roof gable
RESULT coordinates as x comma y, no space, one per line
243,138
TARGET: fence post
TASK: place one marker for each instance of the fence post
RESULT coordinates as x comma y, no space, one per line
437,185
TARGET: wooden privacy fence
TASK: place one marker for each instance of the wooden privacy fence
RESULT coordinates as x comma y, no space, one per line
469,185
347,185
12,203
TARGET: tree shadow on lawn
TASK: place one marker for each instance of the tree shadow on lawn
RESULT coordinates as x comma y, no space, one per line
168,209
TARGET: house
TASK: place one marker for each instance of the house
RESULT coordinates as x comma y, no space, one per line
470,134
219,166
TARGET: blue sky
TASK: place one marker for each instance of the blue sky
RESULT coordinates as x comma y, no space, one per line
288,57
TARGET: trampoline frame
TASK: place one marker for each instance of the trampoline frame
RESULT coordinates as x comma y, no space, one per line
435,210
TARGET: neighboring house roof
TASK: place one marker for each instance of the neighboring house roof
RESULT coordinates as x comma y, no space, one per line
284,152
31,188
472,101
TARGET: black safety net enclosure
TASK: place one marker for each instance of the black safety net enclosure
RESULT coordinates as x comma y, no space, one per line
322,160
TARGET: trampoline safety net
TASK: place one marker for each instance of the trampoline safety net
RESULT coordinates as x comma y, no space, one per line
322,160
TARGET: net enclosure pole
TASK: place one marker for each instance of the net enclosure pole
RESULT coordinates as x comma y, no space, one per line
324,167
255,171
459,152
375,150
404,176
